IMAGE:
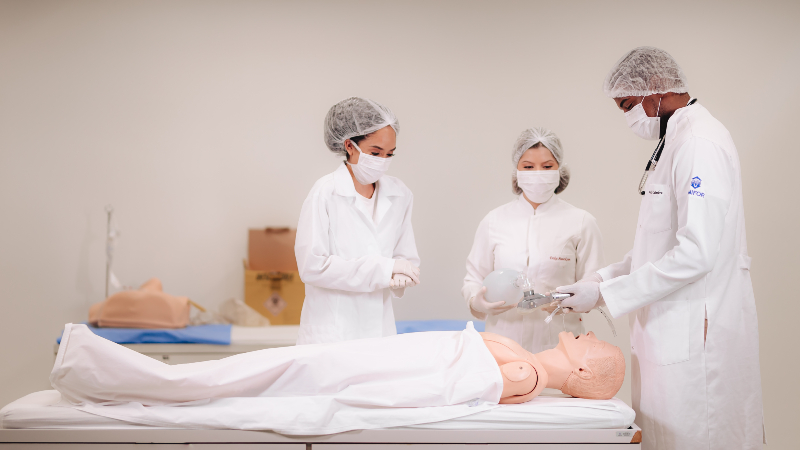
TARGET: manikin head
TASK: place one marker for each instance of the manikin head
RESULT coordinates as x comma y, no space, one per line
597,367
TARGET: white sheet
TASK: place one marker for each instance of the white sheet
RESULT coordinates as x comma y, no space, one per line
36,411
273,335
314,389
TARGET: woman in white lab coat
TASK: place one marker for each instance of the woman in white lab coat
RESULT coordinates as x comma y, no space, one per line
355,247
550,241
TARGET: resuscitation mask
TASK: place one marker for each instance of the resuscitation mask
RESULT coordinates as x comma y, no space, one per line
369,168
538,185
644,126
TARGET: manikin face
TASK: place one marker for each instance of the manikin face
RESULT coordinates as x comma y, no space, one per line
597,367
579,348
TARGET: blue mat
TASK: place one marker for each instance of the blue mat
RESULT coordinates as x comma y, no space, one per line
200,334
413,326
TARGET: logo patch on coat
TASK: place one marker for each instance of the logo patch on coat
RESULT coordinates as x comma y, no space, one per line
696,182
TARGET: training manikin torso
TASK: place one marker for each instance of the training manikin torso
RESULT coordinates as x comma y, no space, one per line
146,307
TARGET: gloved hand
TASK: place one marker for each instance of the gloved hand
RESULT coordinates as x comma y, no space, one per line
400,281
406,268
586,295
480,304
549,308
592,277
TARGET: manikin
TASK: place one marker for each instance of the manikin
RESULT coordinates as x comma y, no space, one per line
409,370
146,307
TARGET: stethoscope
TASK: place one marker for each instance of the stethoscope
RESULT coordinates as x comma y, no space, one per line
653,161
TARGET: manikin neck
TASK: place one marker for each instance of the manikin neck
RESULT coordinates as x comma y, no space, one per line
557,365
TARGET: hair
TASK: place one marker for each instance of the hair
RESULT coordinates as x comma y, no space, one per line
601,379
563,171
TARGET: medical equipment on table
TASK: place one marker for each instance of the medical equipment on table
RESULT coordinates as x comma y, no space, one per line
146,307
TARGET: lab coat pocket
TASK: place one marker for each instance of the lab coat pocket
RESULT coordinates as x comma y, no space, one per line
658,208
666,331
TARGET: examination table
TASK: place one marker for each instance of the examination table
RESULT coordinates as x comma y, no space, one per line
551,421
547,422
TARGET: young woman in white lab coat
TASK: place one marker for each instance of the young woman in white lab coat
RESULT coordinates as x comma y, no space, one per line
355,247
550,241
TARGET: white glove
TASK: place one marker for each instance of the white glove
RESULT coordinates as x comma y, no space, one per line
406,268
400,281
549,308
480,304
592,277
586,294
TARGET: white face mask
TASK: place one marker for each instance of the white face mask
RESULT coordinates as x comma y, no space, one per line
642,125
538,185
369,168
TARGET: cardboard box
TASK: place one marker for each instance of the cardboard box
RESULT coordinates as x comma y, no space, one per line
272,284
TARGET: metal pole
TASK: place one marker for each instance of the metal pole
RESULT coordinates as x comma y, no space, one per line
109,211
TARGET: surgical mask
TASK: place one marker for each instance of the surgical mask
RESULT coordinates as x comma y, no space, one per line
538,185
369,168
642,125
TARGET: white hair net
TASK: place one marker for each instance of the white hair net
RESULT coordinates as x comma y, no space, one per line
645,71
353,117
529,138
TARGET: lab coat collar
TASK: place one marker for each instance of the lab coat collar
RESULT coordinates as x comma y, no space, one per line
343,183
679,121
344,186
553,202
386,187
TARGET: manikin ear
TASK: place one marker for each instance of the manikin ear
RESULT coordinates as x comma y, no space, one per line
584,373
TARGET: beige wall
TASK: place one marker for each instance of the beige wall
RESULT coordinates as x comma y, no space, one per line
199,119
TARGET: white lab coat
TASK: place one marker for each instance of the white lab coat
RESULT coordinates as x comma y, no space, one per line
689,261
345,258
308,389
553,245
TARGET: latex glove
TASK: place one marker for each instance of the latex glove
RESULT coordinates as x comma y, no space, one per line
586,294
400,281
549,308
480,304
406,268
592,277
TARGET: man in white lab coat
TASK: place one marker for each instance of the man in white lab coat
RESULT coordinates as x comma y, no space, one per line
696,379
